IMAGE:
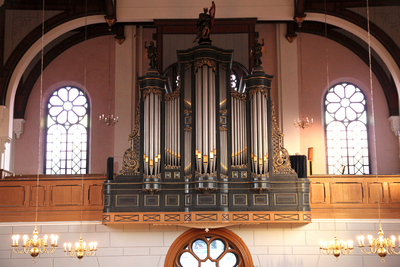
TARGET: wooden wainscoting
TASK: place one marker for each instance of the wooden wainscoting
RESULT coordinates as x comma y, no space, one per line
355,196
58,198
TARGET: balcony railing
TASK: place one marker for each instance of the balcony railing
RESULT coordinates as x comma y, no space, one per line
59,198
355,196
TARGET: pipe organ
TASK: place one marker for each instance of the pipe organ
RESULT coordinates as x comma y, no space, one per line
204,153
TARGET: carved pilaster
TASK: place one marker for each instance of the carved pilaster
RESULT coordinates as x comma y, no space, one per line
18,127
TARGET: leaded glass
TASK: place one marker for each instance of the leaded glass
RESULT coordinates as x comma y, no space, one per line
346,130
208,252
67,132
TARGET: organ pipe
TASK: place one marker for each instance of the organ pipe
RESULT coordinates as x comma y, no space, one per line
152,132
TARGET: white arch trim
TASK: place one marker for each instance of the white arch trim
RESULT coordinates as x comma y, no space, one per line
362,34
31,53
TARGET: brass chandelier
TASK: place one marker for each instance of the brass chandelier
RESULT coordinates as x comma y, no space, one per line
381,246
303,123
333,247
80,249
336,247
36,245
109,119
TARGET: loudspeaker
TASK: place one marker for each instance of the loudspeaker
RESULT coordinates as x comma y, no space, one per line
310,154
110,168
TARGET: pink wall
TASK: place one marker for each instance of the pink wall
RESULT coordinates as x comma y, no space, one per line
267,31
68,69
344,66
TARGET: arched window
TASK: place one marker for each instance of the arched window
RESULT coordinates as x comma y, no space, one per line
217,247
67,127
346,130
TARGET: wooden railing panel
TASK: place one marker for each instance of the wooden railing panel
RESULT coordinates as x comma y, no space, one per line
59,198
12,196
394,192
95,195
40,191
375,189
318,193
355,196
347,192
66,195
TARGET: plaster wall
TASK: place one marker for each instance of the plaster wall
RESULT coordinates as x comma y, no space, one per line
68,69
277,245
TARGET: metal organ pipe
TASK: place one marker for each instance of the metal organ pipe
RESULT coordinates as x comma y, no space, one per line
206,150
238,107
259,132
152,134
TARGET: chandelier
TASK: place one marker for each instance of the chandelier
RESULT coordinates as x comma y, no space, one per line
109,119
336,248
381,246
34,245
303,123
80,249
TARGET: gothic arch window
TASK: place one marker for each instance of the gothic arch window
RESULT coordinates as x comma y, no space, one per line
67,131
217,247
346,130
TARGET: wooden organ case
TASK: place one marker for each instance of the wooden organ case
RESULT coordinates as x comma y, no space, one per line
205,155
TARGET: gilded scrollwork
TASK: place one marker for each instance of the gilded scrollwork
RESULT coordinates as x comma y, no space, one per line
199,63
260,88
280,161
238,96
130,162
187,129
175,94
172,167
243,166
223,128
149,90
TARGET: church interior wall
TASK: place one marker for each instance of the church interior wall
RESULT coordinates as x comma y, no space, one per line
311,92
294,245
66,70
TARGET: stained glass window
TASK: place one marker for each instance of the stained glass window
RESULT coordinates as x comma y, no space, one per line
346,130
67,129
209,251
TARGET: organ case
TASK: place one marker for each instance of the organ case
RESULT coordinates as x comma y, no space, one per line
205,153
